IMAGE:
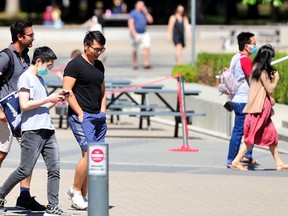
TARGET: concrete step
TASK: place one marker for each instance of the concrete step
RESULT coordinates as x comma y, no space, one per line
285,124
283,133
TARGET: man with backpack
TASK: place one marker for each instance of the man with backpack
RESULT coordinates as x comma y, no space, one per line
241,70
13,62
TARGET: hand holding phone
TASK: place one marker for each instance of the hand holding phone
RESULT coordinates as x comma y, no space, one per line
66,93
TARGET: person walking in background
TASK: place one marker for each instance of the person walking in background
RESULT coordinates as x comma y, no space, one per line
22,39
87,107
96,22
242,70
47,16
119,7
137,22
258,127
178,24
38,131
56,15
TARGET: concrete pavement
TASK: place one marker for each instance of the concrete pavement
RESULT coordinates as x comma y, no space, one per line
145,177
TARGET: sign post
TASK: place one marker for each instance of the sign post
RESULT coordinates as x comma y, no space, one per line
193,29
98,198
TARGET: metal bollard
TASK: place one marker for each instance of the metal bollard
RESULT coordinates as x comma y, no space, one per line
184,134
98,187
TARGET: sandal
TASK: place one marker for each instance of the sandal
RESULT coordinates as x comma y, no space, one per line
282,167
250,161
238,166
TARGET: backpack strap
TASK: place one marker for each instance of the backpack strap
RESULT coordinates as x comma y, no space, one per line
233,65
8,73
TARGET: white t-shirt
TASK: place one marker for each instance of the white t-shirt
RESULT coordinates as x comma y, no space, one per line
38,118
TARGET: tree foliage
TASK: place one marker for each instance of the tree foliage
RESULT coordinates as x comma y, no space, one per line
276,3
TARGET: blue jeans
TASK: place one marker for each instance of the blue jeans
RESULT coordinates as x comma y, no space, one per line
34,143
237,133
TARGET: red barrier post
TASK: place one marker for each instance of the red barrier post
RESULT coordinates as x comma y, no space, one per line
181,100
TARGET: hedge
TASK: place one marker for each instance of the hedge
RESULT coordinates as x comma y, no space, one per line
208,66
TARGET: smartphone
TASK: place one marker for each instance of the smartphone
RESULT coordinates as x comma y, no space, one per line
228,106
66,93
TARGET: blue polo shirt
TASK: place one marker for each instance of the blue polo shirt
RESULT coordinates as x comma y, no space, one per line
140,20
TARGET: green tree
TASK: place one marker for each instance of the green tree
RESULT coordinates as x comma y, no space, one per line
276,3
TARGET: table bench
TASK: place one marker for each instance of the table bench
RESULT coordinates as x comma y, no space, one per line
264,36
117,105
177,116
146,110
116,19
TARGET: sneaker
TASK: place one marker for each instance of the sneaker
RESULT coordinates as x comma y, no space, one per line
85,199
77,200
55,211
2,208
29,204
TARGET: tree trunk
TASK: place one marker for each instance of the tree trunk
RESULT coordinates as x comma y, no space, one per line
12,8
231,11
253,12
74,13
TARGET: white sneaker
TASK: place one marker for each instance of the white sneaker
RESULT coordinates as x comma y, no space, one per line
77,199
85,199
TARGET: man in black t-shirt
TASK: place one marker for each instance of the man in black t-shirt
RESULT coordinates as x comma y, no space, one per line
84,75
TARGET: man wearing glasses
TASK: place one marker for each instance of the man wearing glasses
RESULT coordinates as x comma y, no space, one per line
84,75
22,38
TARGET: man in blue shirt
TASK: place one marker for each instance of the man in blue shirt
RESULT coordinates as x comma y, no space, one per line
137,22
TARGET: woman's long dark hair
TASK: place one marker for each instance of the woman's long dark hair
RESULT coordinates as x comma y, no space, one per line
262,61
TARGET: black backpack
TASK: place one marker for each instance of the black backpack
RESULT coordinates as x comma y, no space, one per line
5,76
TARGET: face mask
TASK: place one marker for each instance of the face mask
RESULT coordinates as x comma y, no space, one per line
43,72
254,49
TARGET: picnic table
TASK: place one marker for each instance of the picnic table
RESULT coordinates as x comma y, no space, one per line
127,102
144,109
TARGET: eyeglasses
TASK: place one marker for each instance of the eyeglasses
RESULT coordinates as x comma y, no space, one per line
97,50
30,35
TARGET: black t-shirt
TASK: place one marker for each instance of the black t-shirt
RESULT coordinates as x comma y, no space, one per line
87,88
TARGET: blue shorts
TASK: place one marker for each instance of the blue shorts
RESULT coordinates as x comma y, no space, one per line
91,130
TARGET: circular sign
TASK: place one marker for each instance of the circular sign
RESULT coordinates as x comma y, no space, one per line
97,155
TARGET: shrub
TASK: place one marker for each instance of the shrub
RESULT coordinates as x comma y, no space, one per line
281,92
187,71
208,66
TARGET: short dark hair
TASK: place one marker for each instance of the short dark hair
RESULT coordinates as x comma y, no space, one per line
19,28
44,54
244,38
94,35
